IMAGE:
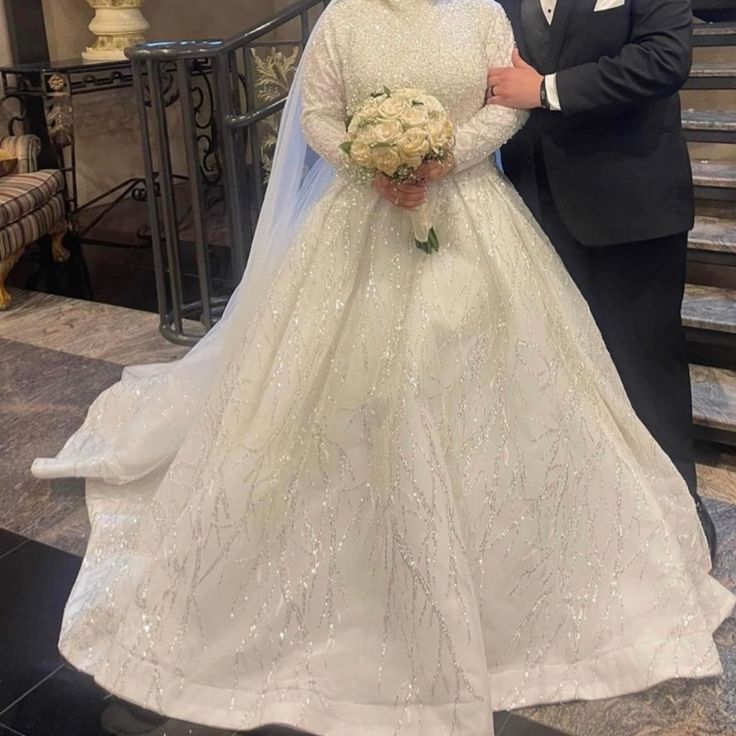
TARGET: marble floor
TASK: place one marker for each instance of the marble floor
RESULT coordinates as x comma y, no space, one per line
86,329
56,355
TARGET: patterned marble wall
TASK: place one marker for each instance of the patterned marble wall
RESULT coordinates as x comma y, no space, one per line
108,141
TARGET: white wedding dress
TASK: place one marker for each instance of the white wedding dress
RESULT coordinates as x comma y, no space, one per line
415,491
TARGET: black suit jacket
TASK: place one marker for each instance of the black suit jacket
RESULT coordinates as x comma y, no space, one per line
616,159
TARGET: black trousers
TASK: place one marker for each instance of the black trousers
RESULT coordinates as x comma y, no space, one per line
635,293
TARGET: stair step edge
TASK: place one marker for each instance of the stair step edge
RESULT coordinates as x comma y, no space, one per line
716,69
705,120
714,397
709,308
716,231
721,174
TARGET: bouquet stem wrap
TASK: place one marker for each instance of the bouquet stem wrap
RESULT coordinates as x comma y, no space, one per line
424,234
421,222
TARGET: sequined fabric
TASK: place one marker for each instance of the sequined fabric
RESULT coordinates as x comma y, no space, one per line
417,491
443,47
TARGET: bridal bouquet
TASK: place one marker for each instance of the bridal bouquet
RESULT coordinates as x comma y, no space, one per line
395,132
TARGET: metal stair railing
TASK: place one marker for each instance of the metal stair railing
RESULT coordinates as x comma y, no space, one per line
209,114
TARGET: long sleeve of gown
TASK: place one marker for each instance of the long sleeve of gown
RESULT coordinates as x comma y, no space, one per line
323,94
492,126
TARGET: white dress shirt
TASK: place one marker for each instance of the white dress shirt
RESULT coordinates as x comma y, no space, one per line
548,7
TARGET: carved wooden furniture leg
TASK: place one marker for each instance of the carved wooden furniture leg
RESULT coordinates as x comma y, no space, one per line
5,267
58,252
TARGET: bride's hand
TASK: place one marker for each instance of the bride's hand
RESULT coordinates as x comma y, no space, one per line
407,196
434,170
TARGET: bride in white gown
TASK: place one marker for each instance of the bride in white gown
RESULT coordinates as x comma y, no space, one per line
392,491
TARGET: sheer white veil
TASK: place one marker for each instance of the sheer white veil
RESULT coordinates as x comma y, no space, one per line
298,179
139,424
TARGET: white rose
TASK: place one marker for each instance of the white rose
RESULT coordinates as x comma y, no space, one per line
437,134
416,116
369,109
387,132
365,135
361,153
413,146
392,108
386,160
435,126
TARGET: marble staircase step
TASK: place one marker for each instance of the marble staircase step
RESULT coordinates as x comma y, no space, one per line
714,402
709,308
714,34
710,126
715,75
713,234
715,179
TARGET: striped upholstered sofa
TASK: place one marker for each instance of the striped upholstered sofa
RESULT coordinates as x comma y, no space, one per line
31,206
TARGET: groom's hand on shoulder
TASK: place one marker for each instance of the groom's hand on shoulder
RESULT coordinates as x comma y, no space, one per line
518,86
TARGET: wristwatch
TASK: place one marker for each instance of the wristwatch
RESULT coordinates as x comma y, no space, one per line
543,96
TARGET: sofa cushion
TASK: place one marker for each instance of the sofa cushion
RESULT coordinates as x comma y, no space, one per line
23,193
8,163
32,227
23,147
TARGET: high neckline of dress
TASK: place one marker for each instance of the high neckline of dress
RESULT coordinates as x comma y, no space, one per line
408,4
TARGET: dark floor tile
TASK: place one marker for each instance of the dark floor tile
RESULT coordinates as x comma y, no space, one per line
9,541
9,732
518,726
44,405
499,720
70,704
35,581
274,729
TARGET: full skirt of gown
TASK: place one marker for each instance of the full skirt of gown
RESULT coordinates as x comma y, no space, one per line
416,494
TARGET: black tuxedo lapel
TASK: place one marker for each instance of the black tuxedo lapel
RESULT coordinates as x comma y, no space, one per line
513,10
560,22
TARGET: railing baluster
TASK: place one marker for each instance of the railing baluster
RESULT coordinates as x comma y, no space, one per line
237,209
171,231
152,197
201,244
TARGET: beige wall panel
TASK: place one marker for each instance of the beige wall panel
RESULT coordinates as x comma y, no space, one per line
5,55
67,20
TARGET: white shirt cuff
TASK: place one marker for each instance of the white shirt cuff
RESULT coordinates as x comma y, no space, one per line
552,97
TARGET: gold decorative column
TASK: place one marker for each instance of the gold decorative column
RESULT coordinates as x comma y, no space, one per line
117,24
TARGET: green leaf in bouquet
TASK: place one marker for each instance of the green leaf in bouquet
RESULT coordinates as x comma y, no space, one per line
432,245
381,145
433,241
387,92
346,147
348,121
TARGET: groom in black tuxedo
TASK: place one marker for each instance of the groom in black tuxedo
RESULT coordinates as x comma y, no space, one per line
604,167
